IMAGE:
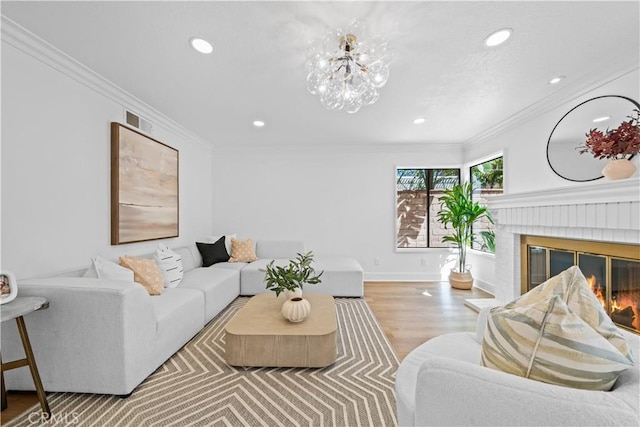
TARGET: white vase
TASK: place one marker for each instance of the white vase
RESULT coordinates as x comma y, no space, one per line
619,169
297,292
296,309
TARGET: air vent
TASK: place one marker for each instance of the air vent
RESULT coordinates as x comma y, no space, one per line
133,120
138,122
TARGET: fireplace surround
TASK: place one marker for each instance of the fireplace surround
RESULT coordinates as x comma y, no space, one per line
612,271
598,211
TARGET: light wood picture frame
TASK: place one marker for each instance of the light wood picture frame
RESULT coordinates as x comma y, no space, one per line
144,187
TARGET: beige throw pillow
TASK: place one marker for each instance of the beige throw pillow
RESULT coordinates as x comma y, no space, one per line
557,333
546,341
572,287
145,272
242,251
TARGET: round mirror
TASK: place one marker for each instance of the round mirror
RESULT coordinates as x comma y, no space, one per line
563,152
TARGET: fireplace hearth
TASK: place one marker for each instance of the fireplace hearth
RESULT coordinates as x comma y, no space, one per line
612,271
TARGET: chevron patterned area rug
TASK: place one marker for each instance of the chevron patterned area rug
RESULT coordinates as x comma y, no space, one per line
195,387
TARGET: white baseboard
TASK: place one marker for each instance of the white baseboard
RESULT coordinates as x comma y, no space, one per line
402,277
485,286
422,277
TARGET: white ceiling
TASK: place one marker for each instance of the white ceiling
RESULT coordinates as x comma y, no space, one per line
440,69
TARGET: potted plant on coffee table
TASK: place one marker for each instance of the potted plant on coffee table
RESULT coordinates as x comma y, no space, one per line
458,212
290,280
292,277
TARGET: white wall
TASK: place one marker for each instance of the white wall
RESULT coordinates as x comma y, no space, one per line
56,171
304,194
340,200
525,146
525,161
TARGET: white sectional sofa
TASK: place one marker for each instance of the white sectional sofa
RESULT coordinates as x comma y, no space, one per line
106,336
441,383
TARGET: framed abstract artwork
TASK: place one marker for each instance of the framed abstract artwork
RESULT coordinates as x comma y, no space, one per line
144,187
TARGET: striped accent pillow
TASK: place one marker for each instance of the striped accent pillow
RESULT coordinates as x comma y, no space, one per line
547,342
170,264
572,287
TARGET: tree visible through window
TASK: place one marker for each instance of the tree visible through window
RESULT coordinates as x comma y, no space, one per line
417,202
486,179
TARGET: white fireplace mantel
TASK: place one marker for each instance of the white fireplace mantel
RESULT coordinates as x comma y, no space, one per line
599,191
606,211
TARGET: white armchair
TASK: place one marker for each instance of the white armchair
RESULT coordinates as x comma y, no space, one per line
441,383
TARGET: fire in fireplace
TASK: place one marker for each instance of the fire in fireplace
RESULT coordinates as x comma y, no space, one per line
612,271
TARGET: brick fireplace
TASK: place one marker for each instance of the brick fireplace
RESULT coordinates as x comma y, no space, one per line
599,211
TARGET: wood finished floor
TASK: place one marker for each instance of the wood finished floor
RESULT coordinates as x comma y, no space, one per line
409,314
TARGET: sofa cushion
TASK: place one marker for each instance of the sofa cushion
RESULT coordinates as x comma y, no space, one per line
237,266
145,272
189,261
342,277
170,264
213,253
179,316
220,286
458,345
276,249
242,251
547,342
102,268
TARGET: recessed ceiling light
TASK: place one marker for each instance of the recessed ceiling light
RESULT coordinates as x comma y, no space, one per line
258,123
498,37
601,119
201,45
419,121
556,80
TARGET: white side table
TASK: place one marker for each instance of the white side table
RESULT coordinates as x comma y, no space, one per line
15,309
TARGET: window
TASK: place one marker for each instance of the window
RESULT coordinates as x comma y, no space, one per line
486,179
417,205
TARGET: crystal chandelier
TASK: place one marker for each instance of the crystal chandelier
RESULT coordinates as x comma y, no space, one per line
345,69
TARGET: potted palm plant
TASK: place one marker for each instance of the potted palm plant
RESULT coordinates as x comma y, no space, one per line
458,212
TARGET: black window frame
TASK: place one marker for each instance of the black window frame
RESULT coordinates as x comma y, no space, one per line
429,176
474,189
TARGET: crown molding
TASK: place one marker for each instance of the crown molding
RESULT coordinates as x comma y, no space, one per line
591,81
427,147
27,42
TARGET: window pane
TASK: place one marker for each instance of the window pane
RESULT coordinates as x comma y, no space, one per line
411,208
439,180
417,206
559,261
486,179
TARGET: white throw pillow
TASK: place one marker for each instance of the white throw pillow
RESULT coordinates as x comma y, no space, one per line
91,272
170,264
103,268
227,241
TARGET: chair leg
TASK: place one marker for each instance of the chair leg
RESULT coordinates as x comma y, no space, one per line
32,366
3,404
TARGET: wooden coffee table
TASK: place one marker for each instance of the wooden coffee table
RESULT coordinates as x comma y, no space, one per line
258,335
